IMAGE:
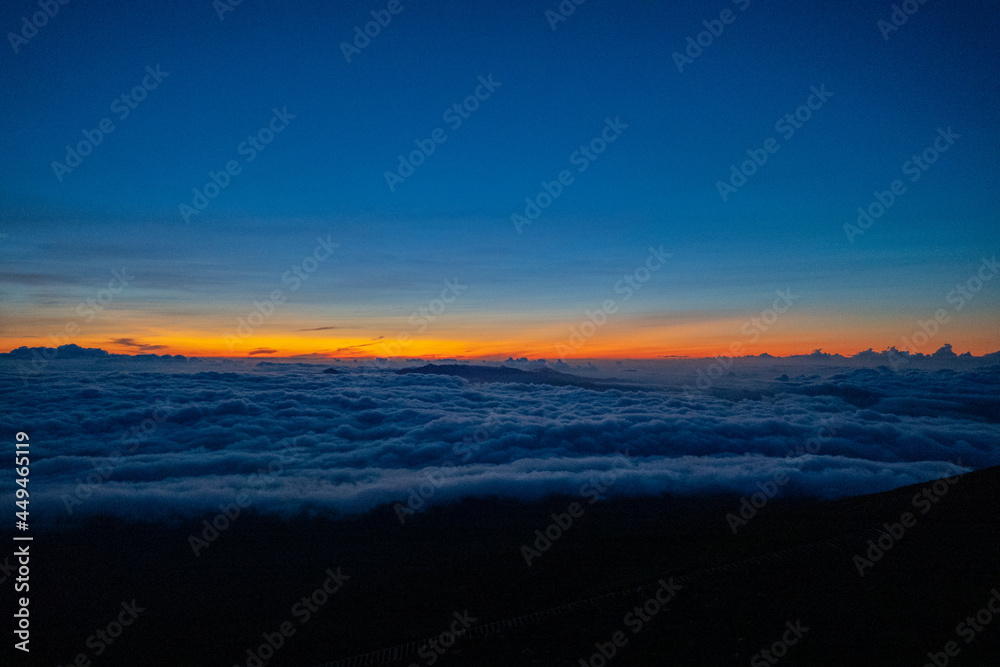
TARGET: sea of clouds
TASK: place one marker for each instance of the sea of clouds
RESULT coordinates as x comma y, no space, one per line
175,438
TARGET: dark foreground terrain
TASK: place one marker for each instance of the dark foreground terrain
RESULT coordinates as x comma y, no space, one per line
730,596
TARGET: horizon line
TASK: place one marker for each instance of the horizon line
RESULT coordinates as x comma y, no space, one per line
945,352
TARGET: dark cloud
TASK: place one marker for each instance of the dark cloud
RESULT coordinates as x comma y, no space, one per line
131,342
320,329
17,278
262,350
192,437
70,351
356,348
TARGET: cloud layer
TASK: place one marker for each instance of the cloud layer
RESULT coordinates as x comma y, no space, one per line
152,440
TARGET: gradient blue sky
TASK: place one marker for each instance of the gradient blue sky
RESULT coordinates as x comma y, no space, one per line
656,185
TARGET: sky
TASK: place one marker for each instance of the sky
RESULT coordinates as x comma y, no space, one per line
309,248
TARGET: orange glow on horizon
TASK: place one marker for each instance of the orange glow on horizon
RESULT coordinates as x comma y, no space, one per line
690,335
640,347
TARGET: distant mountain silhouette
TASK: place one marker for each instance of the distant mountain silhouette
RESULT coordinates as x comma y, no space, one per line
507,374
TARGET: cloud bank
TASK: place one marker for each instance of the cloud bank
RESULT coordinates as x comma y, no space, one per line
153,441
